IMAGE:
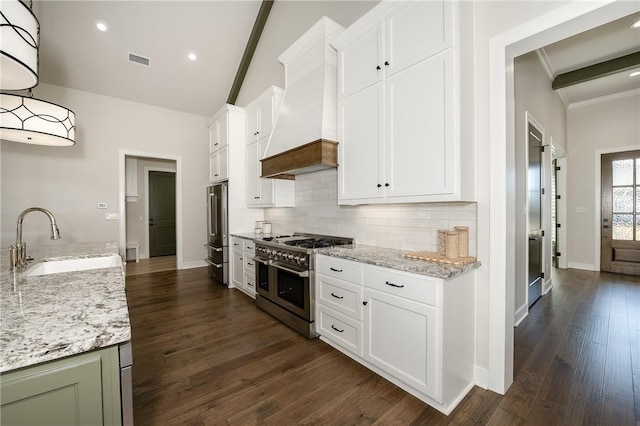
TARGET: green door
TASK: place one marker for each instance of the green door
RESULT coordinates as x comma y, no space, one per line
162,214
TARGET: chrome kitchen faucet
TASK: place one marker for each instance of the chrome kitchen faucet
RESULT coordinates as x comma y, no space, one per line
18,253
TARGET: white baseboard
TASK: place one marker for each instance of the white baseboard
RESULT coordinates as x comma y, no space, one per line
521,314
547,286
583,266
481,376
194,264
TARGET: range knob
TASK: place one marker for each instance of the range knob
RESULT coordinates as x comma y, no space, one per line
300,260
290,256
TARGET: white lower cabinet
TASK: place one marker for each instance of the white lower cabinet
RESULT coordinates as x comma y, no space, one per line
243,266
414,330
401,339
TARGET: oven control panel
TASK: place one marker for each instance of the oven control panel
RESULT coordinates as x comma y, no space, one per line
281,255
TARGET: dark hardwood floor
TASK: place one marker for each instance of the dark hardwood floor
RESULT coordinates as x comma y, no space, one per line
204,354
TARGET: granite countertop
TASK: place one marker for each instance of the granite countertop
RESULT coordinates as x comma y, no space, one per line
393,258
247,235
43,318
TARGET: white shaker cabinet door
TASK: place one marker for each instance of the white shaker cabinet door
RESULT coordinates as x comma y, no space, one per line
360,61
238,268
267,187
401,339
266,115
253,189
252,114
360,144
417,31
419,129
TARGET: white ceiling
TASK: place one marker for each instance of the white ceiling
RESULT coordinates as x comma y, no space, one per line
74,54
603,43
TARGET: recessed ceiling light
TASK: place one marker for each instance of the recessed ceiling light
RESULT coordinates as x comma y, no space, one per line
634,74
101,26
192,56
636,24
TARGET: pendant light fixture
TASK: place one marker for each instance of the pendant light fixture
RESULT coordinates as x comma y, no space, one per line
23,118
19,40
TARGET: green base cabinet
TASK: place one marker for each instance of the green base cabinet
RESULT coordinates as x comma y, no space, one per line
79,390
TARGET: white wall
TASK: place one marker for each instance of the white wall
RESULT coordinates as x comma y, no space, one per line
137,219
288,20
402,226
611,125
71,181
533,95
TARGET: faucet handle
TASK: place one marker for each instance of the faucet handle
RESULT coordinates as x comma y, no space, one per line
13,256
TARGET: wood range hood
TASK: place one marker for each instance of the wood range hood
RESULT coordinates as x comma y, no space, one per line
311,157
304,134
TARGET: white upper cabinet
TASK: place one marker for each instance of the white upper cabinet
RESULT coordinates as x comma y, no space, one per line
398,105
261,114
415,32
219,135
360,61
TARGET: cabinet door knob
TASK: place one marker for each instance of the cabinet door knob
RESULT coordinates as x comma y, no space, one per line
365,303
386,63
215,144
378,67
379,185
386,184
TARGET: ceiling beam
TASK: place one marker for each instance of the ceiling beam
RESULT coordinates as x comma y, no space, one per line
254,37
595,71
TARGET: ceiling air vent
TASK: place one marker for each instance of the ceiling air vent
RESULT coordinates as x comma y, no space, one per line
141,60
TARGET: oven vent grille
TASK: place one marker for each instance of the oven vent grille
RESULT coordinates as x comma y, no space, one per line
141,60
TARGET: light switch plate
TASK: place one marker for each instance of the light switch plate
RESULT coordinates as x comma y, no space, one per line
102,205
112,216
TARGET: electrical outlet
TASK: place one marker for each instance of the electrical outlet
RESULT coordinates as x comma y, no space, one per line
112,216
102,205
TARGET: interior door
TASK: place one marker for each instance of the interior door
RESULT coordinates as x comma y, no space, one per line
534,189
162,213
620,214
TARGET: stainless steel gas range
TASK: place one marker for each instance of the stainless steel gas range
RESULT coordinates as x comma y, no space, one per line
285,277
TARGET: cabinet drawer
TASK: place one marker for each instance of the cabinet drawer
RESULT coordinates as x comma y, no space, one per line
343,296
249,247
339,268
250,282
340,329
414,287
249,264
237,243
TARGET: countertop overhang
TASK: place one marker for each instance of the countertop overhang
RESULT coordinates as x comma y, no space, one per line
48,317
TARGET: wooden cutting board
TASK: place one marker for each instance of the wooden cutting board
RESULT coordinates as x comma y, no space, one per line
435,257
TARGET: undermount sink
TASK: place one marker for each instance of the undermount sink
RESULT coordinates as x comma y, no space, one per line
70,265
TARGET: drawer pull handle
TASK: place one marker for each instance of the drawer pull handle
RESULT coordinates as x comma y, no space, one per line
335,270
337,329
336,296
249,263
394,285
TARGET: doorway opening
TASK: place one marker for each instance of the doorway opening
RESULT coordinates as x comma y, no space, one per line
160,192
535,228
620,213
151,226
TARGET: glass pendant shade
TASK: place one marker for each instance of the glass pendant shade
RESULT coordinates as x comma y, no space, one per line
34,121
19,39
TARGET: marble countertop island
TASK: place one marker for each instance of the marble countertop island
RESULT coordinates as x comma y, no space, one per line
394,259
47,317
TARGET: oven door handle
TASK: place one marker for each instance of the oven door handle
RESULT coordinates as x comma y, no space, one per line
263,261
215,265
301,274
